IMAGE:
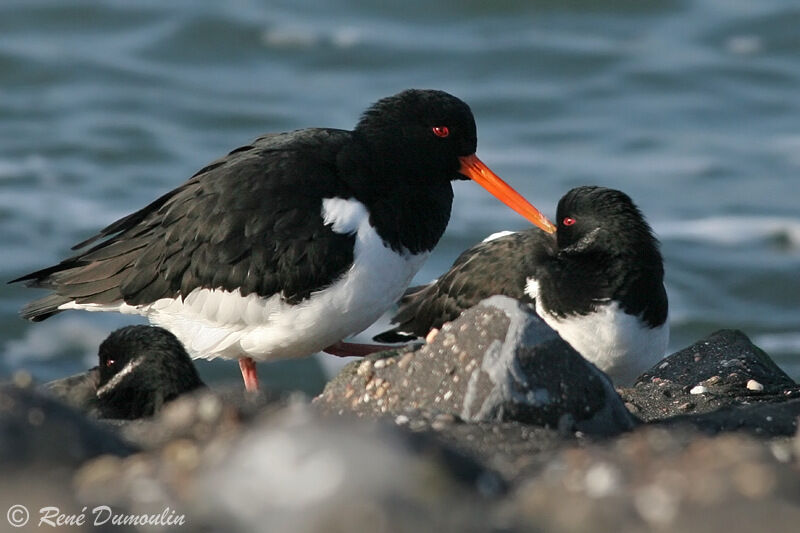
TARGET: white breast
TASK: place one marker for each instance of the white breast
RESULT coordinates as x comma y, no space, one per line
618,343
216,323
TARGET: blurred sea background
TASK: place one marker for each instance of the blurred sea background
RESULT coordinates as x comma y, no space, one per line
691,107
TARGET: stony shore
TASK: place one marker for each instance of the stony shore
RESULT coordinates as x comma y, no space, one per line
495,425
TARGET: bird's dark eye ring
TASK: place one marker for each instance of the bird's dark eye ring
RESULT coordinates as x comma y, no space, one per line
441,131
568,221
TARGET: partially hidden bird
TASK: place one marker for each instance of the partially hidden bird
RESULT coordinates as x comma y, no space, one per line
598,282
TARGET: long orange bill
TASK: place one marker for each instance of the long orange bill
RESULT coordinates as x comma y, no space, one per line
473,168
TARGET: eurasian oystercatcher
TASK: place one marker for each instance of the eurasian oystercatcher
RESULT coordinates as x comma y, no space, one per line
598,282
287,245
140,369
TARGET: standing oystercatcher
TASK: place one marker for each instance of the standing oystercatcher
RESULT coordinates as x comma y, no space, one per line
286,246
599,282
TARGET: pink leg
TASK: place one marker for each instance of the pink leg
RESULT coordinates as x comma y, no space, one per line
248,368
351,349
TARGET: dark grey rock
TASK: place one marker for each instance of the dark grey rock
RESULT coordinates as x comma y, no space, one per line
722,370
200,415
497,362
294,470
37,431
762,419
728,354
665,479
512,449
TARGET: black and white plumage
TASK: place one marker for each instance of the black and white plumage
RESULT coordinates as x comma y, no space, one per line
140,369
598,282
287,245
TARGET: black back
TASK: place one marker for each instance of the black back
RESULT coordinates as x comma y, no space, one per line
499,266
608,253
161,371
251,220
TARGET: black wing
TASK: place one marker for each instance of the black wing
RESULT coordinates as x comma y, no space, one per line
500,266
241,222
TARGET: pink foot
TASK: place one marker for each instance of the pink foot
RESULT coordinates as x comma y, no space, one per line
248,368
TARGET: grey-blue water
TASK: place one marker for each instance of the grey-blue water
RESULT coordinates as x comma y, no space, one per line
691,107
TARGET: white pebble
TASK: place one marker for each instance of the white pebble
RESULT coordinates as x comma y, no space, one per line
364,368
698,389
380,363
401,420
754,385
602,479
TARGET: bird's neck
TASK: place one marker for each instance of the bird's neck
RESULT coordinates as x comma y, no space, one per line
409,210
582,281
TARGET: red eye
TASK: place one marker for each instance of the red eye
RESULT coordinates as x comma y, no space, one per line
110,362
441,131
568,221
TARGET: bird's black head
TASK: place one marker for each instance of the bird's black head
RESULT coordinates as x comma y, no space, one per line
422,130
599,219
141,368
429,137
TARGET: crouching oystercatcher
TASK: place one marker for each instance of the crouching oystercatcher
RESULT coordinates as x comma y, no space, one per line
141,368
598,282
285,246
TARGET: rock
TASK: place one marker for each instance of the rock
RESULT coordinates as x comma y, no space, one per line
763,419
512,449
39,432
299,472
722,370
200,416
662,479
293,470
497,362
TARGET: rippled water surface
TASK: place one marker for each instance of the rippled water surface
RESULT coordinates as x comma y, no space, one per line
692,108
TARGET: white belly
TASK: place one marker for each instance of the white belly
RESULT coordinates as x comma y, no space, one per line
616,342
215,323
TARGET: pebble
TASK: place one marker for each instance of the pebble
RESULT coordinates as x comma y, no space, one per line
754,385
22,379
698,389
364,368
380,363
602,479
35,416
431,335
405,360
209,408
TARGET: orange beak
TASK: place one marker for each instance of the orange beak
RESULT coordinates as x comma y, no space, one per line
473,168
